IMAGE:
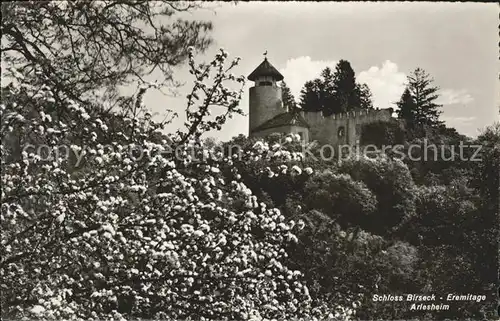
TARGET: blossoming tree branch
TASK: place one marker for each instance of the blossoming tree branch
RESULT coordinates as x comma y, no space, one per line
115,237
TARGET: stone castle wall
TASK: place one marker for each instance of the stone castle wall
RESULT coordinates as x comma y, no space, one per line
265,103
326,129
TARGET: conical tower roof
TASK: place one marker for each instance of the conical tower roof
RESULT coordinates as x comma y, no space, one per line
265,69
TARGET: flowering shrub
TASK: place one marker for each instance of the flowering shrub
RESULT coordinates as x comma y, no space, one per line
165,236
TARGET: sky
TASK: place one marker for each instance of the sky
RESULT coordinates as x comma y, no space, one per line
456,43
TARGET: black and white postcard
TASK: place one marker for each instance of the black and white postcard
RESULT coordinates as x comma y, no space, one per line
260,161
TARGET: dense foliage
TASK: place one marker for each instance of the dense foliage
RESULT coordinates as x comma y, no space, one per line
335,92
105,217
151,235
386,225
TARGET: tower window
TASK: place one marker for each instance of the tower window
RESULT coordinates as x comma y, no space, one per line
341,132
265,83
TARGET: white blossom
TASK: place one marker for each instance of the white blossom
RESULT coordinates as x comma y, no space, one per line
37,309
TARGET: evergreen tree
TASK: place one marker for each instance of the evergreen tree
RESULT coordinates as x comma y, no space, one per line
311,96
406,107
328,78
329,95
418,104
335,92
344,86
287,98
364,96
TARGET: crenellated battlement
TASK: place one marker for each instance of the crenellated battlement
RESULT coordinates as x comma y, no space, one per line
326,129
317,116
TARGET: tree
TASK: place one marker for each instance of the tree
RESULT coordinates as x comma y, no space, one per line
391,182
486,180
158,232
410,244
319,94
335,92
383,133
328,78
146,226
486,183
348,202
88,49
344,86
287,98
449,227
311,96
328,94
418,105
364,95
407,107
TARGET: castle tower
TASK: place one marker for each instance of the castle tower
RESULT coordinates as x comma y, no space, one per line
265,95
